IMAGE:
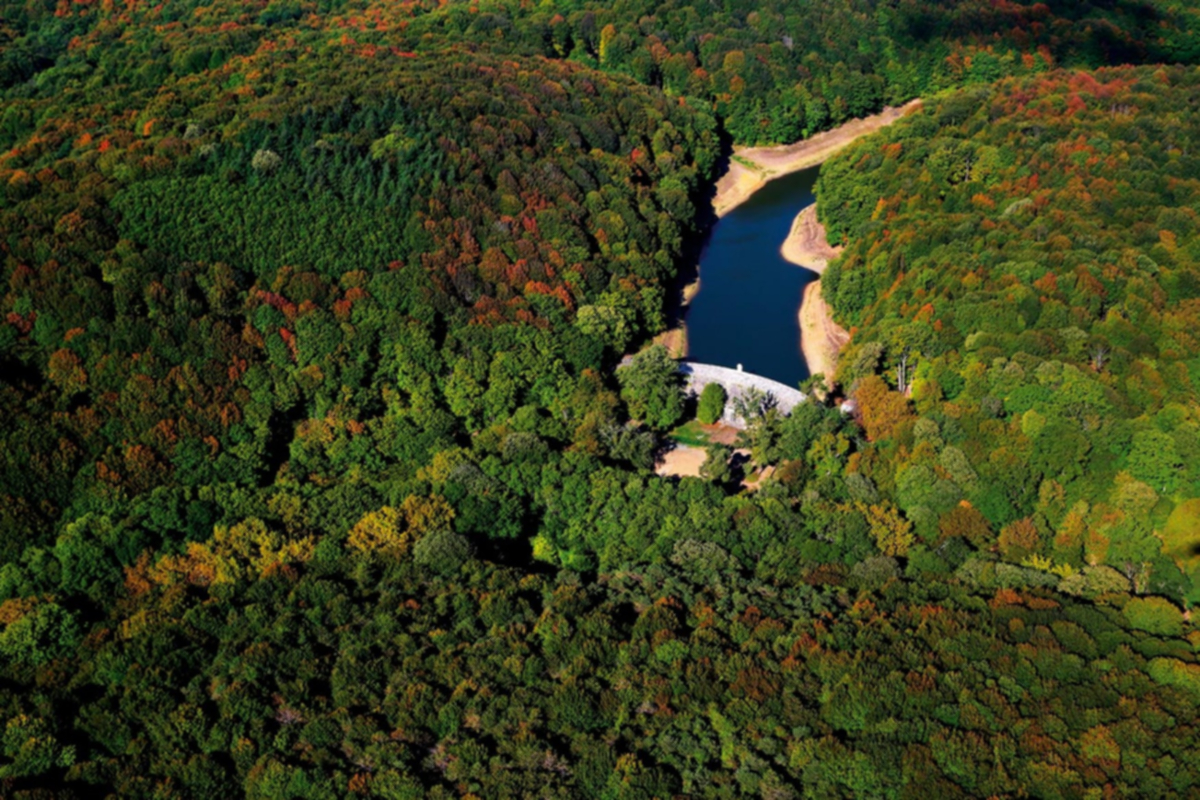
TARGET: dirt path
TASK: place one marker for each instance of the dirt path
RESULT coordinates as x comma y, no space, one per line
821,339
751,167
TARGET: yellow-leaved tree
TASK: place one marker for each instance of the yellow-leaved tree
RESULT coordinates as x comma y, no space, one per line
393,531
249,549
259,550
893,534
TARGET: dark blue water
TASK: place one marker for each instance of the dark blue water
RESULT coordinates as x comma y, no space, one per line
746,310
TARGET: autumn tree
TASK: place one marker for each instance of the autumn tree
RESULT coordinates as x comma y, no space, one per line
893,534
393,531
880,408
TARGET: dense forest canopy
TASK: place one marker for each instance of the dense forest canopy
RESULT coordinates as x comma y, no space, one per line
774,70
1029,251
318,477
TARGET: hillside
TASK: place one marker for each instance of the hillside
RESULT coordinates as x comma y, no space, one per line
1029,252
318,476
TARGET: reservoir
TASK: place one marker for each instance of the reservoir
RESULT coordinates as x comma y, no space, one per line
746,310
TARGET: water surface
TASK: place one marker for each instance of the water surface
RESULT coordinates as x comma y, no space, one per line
746,310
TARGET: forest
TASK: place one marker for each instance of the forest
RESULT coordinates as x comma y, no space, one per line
1024,259
319,476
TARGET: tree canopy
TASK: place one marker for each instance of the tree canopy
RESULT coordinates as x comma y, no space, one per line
319,475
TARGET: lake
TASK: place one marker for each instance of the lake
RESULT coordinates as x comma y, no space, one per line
746,310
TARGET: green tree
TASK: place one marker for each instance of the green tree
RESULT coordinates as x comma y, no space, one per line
652,388
41,634
1154,460
712,403
763,436
716,467
87,564
1154,615
442,552
32,748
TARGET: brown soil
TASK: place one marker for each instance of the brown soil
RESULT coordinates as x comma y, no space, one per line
807,245
821,338
755,480
721,433
752,167
682,460
675,340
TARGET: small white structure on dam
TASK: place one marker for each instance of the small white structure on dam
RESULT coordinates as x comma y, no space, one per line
737,384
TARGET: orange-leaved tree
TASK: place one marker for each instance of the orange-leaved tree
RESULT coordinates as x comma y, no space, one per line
881,408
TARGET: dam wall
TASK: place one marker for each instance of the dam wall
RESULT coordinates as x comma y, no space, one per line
738,383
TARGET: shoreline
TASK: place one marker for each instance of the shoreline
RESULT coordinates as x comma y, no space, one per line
751,168
821,338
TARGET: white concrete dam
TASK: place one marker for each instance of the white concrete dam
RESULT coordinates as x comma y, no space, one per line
736,384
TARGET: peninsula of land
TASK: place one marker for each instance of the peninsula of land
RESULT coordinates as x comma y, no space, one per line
821,339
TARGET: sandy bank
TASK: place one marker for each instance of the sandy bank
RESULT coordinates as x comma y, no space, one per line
675,340
807,245
751,167
749,170
821,339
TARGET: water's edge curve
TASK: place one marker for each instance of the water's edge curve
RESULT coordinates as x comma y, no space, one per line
749,171
821,338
